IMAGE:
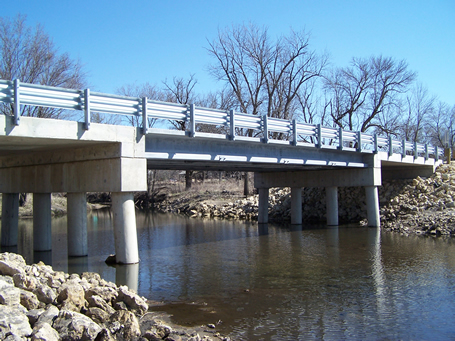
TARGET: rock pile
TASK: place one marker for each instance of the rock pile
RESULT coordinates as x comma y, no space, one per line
352,206
424,206
38,303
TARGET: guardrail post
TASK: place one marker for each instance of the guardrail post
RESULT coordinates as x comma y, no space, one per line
426,151
359,141
17,102
340,138
265,129
375,144
403,148
294,132
145,122
231,125
192,127
390,146
416,154
319,135
87,108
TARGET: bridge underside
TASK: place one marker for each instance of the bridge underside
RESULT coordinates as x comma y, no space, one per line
42,156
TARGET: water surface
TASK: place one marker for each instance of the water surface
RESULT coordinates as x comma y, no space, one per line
277,282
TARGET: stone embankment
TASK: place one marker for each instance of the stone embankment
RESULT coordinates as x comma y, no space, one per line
423,206
38,303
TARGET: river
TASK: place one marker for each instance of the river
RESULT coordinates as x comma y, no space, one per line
276,282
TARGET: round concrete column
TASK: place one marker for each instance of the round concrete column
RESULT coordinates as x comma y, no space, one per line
77,224
42,233
10,218
263,209
331,194
372,198
128,275
296,205
125,235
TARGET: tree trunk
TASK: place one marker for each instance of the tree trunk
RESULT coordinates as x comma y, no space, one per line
246,185
188,179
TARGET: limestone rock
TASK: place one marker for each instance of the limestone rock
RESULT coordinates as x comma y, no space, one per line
24,281
72,296
131,329
75,326
11,264
132,300
49,315
45,294
14,321
33,315
44,332
97,302
10,296
29,300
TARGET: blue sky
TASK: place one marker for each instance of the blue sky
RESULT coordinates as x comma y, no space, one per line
127,42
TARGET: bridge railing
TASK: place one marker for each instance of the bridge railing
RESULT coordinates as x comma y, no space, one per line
268,129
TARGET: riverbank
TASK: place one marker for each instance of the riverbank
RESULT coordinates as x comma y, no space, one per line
38,303
423,206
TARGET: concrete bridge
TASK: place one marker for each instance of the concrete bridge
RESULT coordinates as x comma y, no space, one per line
43,156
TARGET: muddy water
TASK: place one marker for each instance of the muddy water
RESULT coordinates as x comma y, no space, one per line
277,282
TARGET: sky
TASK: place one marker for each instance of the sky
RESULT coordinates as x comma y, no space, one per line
138,41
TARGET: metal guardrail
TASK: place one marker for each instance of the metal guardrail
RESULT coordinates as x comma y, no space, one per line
18,94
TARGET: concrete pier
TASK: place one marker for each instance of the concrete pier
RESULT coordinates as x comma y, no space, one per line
10,219
125,234
332,205
263,209
372,199
77,224
42,233
296,205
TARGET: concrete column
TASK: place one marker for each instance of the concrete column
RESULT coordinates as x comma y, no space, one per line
125,235
296,205
263,209
372,198
42,233
331,194
10,218
77,224
128,275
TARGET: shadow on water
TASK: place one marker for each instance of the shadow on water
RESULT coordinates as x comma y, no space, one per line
273,282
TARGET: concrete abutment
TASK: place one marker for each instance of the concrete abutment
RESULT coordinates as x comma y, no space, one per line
63,157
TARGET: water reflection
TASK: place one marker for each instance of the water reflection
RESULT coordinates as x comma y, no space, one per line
278,282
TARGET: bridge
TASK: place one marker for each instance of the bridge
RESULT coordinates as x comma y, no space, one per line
44,156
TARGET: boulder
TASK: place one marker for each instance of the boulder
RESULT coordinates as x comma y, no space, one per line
13,321
132,300
45,293
44,332
48,316
72,296
130,322
75,326
29,300
11,264
10,296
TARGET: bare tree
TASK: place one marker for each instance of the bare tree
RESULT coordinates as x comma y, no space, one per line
265,75
442,125
419,108
152,92
367,89
29,54
181,91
